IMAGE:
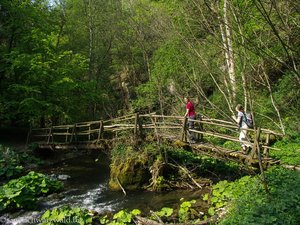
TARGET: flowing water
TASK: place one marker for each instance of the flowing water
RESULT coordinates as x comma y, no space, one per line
87,188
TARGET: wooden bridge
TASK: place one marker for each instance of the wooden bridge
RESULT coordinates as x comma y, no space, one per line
92,135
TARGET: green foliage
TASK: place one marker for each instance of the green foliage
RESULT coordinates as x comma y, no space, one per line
246,201
289,152
232,145
147,97
121,151
219,196
23,192
183,156
121,218
144,153
11,163
185,212
205,165
163,213
41,78
67,215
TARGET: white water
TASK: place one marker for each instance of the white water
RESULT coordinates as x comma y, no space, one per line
88,200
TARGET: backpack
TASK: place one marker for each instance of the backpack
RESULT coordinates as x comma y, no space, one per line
248,119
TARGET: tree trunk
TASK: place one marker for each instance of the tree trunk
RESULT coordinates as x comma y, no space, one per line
243,59
273,102
229,57
62,22
90,25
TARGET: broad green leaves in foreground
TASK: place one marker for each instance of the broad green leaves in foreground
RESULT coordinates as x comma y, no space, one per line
23,192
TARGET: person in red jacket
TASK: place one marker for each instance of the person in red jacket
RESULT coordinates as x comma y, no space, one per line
191,115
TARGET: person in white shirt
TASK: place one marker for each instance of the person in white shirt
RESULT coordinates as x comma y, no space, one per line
242,122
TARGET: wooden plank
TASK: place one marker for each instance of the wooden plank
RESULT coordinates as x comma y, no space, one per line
62,127
89,122
82,125
39,129
40,135
163,116
62,134
168,123
119,125
268,147
218,120
271,132
120,129
122,118
163,127
221,136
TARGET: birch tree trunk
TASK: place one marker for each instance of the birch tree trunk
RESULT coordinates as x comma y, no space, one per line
243,59
229,56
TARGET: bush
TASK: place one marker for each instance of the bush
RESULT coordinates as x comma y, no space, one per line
247,202
23,192
289,153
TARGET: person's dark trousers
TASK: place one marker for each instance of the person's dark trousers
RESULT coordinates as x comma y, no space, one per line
191,126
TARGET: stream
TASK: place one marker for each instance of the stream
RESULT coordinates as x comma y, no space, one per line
87,188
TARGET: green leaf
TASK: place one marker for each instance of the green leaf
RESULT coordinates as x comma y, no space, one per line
136,212
104,220
205,197
211,211
46,215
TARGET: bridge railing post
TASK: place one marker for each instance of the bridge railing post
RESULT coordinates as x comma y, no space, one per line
200,135
154,122
267,143
184,130
73,133
101,130
89,134
67,135
136,126
256,143
49,135
258,147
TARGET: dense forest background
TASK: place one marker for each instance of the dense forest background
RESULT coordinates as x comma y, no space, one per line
67,61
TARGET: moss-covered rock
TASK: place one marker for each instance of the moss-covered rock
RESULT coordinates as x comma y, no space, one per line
131,174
